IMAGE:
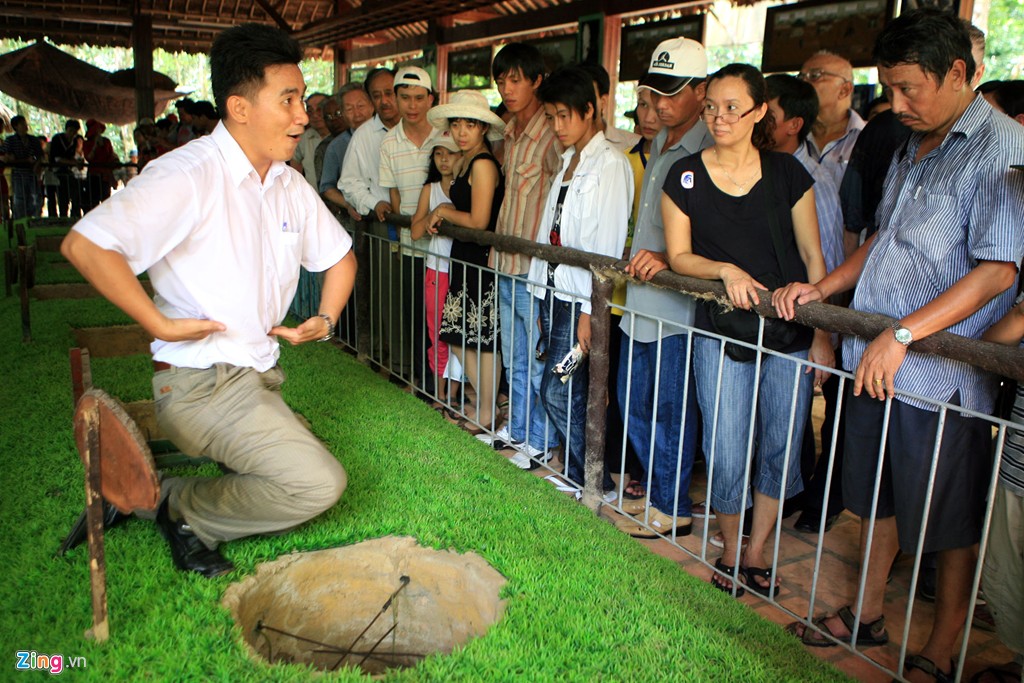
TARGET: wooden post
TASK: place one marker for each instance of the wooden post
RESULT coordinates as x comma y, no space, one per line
142,48
597,392
100,630
26,257
81,373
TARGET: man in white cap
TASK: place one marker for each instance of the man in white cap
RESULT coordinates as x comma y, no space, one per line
404,162
676,81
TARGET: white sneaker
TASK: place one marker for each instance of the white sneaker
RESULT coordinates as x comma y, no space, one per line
521,460
534,453
499,440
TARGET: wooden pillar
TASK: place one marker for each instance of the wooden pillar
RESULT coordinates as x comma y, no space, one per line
435,55
341,51
597,391
142,45
610,60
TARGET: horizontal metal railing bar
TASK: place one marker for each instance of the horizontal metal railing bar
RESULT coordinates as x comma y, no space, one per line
997,358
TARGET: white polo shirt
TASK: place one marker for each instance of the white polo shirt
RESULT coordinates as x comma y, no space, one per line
404,166
219,245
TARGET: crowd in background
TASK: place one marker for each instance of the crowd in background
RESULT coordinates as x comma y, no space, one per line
66,174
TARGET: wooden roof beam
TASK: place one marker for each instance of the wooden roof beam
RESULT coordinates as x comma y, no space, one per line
275,15
552,17
378,15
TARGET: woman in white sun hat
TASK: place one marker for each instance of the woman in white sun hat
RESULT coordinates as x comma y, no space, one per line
469,321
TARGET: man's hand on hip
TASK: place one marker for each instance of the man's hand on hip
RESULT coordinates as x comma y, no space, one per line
313,329
187,329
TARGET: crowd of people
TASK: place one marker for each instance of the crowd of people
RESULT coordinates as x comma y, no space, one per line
761,183
753,181
69,173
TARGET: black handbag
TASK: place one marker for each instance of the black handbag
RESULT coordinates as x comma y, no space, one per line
743,325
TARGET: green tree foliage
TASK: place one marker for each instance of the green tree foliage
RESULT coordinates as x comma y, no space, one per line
1004,45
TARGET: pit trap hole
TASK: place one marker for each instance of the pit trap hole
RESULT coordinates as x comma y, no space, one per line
381,604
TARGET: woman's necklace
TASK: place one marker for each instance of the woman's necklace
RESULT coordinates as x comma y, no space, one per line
742,185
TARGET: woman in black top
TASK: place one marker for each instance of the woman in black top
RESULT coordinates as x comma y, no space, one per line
715,207
469,320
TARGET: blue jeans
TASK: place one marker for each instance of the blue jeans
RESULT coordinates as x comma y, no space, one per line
725,443
566,403
519,311
637,366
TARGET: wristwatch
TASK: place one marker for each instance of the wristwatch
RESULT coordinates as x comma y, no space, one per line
330,327
902,334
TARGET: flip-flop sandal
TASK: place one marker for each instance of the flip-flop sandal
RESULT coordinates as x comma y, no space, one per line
472,428
448,413
701,510
750,576
728,571
927,666
635,485
869,634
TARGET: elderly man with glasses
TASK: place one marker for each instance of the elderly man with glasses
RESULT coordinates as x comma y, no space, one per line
836,129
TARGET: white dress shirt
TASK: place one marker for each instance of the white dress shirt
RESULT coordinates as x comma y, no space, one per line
360,171
595,216
219,244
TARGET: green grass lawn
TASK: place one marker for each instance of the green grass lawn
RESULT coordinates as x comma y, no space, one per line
584,602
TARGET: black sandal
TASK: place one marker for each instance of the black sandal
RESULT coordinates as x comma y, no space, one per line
869,634
928,666
751,574
728,571
629,492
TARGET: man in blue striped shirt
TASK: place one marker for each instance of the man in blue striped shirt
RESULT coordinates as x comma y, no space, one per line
944,258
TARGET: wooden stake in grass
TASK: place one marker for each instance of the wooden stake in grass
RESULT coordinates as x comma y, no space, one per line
119,468
90,413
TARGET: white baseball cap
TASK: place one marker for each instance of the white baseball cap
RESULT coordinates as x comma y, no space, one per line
412,75
674,63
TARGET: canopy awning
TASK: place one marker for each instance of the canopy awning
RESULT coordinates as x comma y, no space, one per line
48,78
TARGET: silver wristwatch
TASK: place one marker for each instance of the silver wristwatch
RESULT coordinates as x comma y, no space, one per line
902,334
330,327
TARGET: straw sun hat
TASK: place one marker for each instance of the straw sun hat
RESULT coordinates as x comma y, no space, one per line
467,104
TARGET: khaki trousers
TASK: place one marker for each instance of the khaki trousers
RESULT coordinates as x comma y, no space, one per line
282,476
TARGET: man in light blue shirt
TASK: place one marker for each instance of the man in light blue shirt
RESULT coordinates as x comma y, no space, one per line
357,108
944,258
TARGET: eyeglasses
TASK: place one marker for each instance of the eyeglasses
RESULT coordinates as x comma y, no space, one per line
710,113
330,116
815,75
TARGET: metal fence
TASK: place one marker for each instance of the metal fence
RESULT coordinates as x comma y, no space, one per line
381,326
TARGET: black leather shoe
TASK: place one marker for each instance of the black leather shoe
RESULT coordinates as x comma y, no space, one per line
809,522
112,517
188,552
